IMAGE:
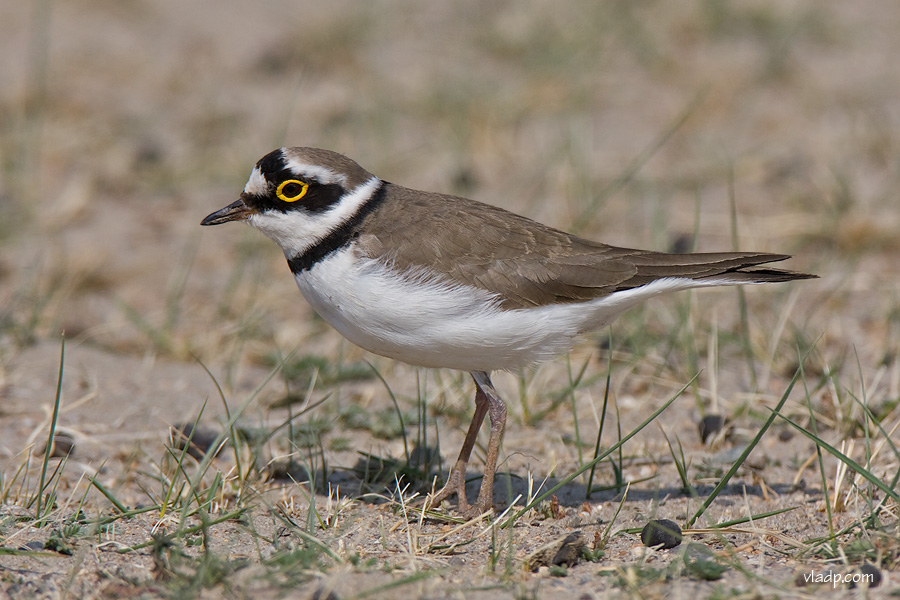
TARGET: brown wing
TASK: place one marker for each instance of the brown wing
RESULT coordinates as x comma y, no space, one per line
527,263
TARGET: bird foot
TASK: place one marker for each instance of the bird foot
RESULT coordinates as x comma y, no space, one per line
456,484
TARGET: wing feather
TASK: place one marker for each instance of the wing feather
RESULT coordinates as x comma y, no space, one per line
526,263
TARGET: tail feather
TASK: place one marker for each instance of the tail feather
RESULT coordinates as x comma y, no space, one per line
726,267
759,276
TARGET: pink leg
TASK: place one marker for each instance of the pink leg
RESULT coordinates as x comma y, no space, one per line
487,401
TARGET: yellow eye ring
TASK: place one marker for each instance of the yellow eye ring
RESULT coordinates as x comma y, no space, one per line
291,190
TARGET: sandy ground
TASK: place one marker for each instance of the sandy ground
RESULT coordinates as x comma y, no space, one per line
122,125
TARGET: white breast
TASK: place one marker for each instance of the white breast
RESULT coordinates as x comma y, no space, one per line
423,321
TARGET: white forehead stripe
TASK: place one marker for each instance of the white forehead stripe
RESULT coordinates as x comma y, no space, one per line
323,175
256,185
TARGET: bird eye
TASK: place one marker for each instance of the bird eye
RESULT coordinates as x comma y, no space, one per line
291,190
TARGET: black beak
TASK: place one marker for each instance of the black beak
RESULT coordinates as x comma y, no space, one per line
236,211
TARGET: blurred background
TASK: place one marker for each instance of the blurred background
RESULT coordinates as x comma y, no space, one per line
764,125
707,125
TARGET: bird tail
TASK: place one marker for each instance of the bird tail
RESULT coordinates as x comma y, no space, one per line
722,268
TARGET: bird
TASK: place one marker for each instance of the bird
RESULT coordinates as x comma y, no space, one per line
441,281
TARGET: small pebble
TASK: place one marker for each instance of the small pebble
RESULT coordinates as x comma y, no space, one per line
870,576
682,243
287,469
201,439
324,594
785,435
33,546
710,425
564,551
63,445
661,532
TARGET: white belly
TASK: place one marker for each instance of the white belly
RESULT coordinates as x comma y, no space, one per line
431,323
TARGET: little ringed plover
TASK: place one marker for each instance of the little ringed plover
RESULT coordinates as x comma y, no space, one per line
441,281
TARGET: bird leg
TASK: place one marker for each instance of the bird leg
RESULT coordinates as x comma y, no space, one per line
487,401
456,483
497,414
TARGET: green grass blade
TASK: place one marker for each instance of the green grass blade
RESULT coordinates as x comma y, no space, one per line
397,408
858,468
590,484
53,419
740,461
109,495
599,458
